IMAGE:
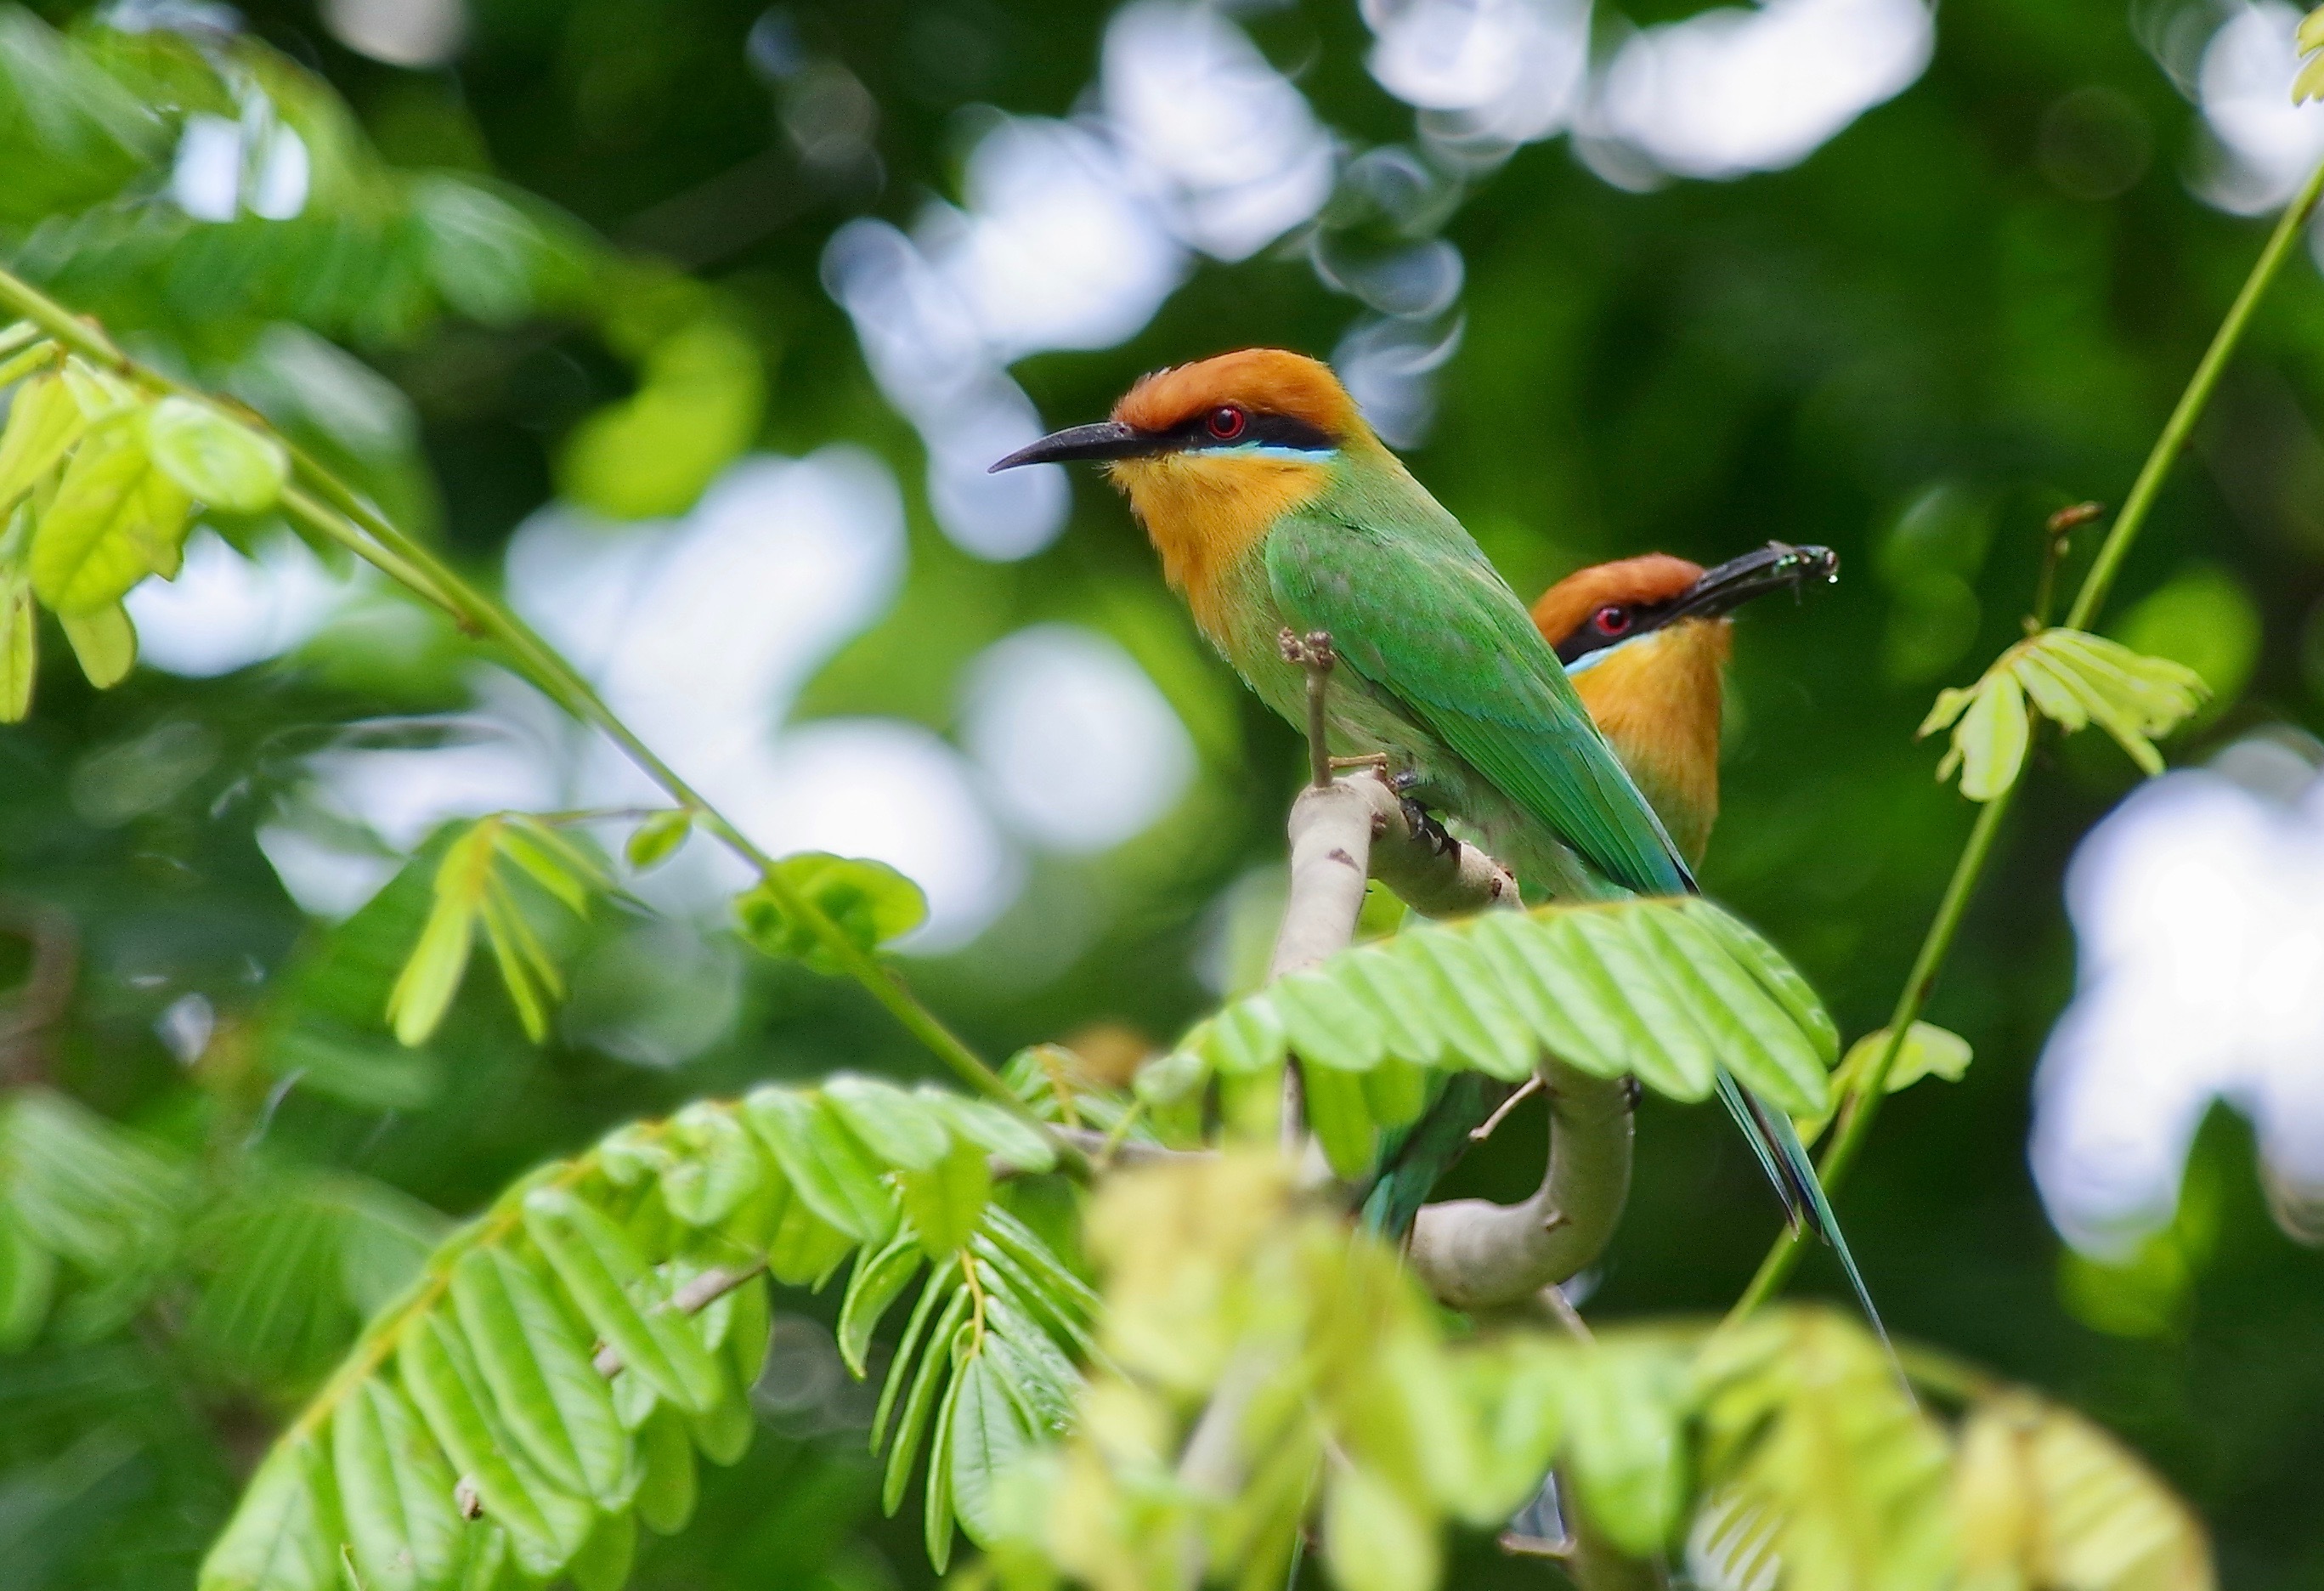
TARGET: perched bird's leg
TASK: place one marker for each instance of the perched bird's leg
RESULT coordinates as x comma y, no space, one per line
1312,651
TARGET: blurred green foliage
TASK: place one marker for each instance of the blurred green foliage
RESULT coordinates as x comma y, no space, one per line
585,259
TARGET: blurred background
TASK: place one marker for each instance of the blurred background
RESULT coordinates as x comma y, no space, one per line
692,326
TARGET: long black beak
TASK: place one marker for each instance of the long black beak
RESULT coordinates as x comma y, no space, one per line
1776,566
1108,439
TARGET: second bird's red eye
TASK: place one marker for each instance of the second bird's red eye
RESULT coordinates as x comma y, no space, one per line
1610,620
1226,422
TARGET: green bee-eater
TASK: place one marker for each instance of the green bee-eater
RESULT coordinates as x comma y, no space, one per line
1273,506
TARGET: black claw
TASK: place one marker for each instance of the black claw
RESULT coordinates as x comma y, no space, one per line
1632,1092
1427,830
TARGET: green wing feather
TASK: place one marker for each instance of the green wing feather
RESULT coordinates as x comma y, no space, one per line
1420,616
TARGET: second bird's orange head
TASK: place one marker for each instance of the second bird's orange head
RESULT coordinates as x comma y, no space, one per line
1211,454
1645,640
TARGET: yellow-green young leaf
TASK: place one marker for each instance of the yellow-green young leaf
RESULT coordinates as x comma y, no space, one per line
20,647
2132,698
216,460
2046,1498
43,423
2311,37
423,990
869,902
115,519
944,1202
1374,1538
653,841
104,643
1928,1051
1990,739
2309,84
1622,1436
992,1129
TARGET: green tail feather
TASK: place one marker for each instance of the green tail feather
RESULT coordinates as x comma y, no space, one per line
1785,1159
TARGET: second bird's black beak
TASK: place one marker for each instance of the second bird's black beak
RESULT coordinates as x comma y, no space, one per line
1776,566
1108,439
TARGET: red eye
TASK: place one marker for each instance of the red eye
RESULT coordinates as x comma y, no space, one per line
1610,620
1226,422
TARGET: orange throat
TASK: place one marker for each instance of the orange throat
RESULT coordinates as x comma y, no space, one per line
1205,512
1657,701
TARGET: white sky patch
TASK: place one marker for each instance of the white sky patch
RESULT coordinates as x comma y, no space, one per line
2267,144
1741,90
1071,235
1078,748
1242,158
226,611
1510,70
2198,907
895,792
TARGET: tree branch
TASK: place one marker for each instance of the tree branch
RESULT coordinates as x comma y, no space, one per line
1477,1255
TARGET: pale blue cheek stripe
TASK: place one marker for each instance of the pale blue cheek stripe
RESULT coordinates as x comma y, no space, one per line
1591,660
1276,450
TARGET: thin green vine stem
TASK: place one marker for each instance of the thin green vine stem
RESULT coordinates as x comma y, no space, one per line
2192,403
1863,1101
329,507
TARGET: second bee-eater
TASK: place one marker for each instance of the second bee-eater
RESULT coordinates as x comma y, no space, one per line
1274,506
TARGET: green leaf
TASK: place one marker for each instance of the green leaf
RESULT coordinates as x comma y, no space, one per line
988,1436
696,407
1008,1138
20,646
545,1525
216,460
939,1511
28,1279
899,1129
1324,1024
395,1492
282,1538
879,1280
1373,1539
826,1163
115,519
928,1374
602,1563
945,1202
869,902
599,1268
104,643
719,1166
1622,1438
535,1359
43,424
665,1484
1340,1118
656,839
1928,1051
